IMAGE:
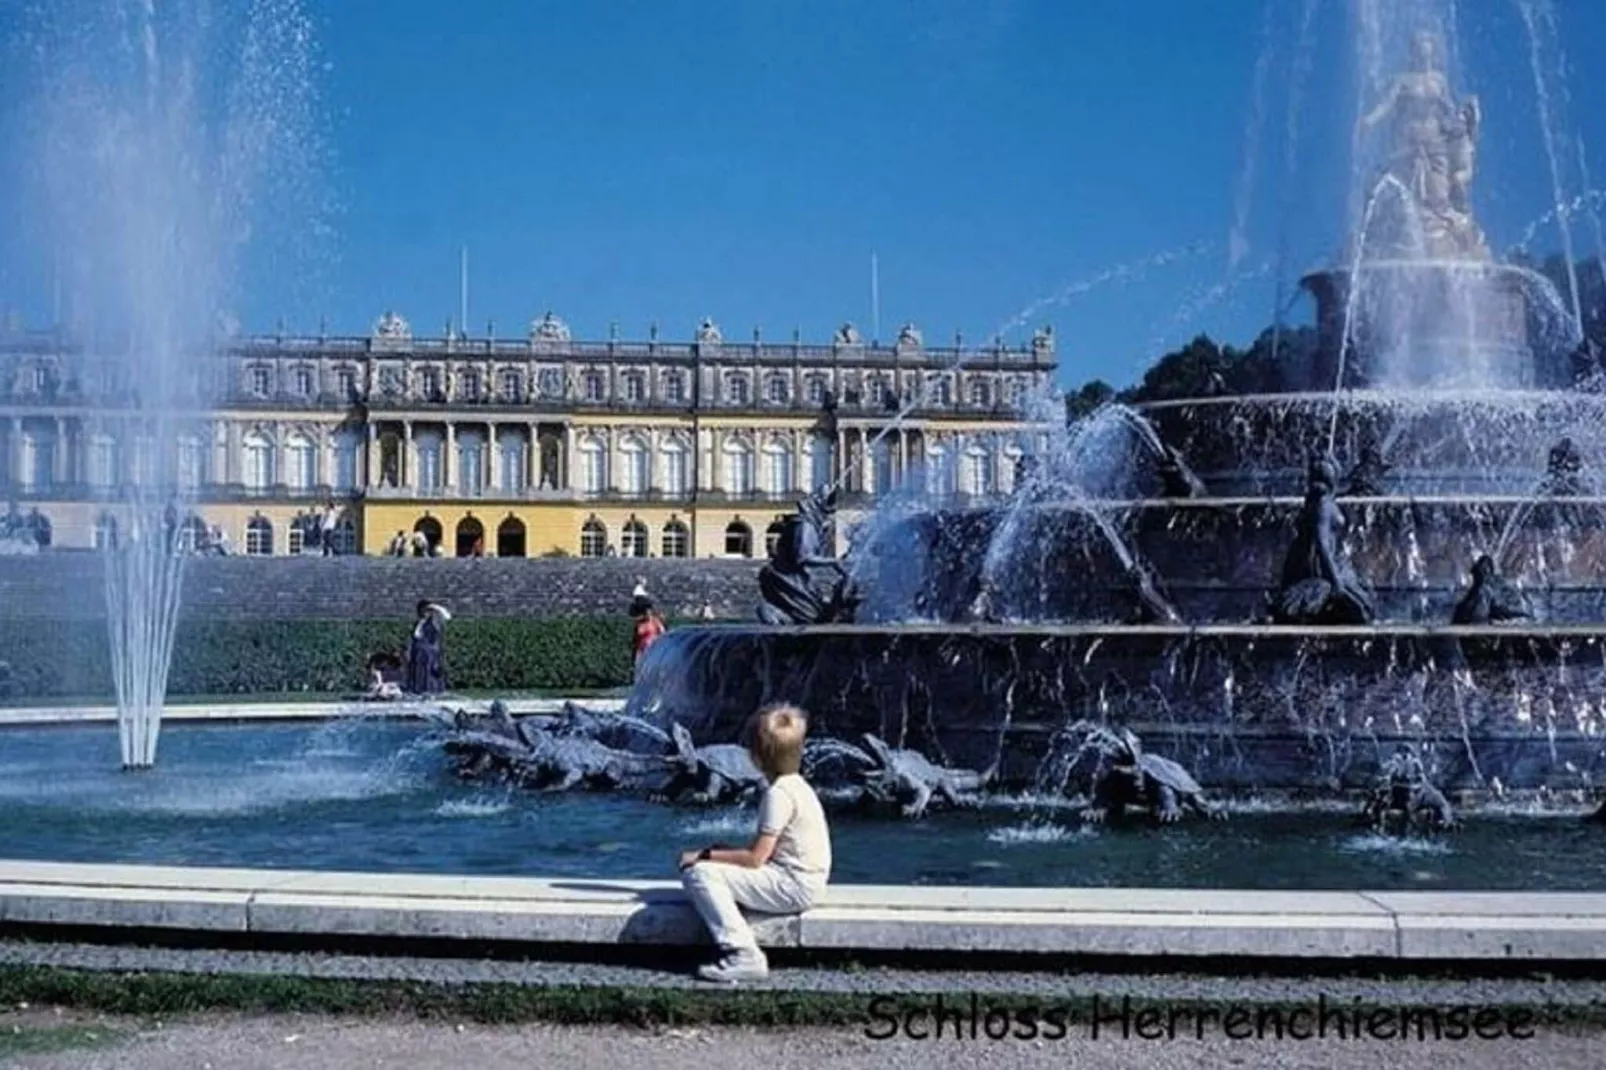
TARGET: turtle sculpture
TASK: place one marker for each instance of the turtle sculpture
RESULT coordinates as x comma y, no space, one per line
909,780
718,773
1405,799
1137,780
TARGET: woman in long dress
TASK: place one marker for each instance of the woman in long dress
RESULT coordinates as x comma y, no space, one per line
426,665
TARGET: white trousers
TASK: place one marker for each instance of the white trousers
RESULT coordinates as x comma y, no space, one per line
719,891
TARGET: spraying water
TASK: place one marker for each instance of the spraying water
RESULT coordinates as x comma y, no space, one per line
161,131
1539,19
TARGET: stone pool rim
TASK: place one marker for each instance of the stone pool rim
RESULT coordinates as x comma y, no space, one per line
1459,930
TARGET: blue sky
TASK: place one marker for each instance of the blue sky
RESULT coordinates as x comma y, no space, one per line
628,162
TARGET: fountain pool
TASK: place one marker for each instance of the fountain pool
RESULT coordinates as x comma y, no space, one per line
371,795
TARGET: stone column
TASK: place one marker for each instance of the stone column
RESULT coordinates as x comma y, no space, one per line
493,463
532,458
409,463
13,469
233,449
449,461
61,459
371,462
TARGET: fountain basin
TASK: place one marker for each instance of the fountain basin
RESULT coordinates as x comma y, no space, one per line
1245,707
1218,559
1438,442
1410,324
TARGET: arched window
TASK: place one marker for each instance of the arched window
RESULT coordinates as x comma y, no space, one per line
596,387
345,536
635,388
981,394
635,460
1013,455
1017,393
189,462
881,466
105,532
677,540
593,465
257,470
38,458
192,534
777,391
258,536
816,390
633,539
819,461
301,463
430,528
876,390
512,388
940,391
513,451
430,446
939,470
470,462
593,538
772,535
347,450
778,467
978,471
736,388
102,461
510,538
738,467
677,468
738,540
470,538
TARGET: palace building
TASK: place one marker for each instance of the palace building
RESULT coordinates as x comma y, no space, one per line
540,445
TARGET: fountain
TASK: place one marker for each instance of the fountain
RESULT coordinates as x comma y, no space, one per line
1314,548
160,132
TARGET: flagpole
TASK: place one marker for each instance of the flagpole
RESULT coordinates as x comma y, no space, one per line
875,301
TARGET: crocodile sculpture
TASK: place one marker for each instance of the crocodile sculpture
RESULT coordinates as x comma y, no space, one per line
911,781
721,772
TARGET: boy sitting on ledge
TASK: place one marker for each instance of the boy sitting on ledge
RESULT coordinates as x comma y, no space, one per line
786,868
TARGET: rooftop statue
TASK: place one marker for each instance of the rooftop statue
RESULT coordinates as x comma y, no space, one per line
848,335
708,331
1043,340
549,329
392,327
909,335
1433,143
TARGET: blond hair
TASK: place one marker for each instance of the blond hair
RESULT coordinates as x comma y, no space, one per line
775,739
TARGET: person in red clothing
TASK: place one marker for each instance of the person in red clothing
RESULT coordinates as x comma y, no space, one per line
649,625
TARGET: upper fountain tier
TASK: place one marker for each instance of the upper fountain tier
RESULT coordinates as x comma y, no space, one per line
1418,302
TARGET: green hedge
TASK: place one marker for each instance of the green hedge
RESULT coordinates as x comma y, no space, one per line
51,659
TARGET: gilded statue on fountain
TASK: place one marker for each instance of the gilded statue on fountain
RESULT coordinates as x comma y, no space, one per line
1432,151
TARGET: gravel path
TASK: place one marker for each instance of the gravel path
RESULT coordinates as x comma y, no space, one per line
295,1043
1533,990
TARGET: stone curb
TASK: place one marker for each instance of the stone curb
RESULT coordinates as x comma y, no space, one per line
1446,927
33,716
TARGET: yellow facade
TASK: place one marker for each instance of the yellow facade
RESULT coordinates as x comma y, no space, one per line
537,446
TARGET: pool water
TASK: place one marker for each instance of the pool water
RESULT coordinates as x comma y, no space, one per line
361,794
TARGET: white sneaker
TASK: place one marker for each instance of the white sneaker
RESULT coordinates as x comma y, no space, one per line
737,964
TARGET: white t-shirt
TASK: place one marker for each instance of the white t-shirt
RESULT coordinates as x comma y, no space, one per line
791,812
